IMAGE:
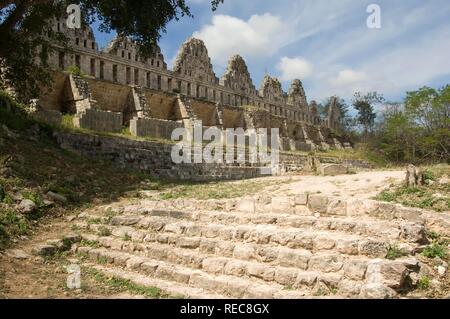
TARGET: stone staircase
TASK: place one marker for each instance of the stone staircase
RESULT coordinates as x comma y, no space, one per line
282,247
82,94
140,102
187,112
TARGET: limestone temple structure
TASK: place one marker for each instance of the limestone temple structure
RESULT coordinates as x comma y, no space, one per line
119,88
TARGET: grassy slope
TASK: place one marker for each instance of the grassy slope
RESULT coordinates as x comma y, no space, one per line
434,195
31,164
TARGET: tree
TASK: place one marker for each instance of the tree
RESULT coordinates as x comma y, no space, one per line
364,104
26,32
429,110
345,118
418,130
397,134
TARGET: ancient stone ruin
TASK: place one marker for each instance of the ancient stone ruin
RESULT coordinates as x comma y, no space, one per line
119,88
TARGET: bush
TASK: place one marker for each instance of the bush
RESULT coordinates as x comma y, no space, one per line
435,250
428,175
74,70
2,193
11,225
67,121
104,231
12,113
395,252
386,196
424,283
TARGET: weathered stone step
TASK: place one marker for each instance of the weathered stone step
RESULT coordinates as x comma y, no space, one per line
173,289
302,204
159,228
407,231
290,268
227,285
381,278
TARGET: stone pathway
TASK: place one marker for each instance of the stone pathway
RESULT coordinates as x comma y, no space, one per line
361,185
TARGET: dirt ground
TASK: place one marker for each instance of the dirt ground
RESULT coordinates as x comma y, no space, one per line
362,185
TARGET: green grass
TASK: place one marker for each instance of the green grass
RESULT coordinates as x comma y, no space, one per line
360,152
214,190
89,243
104,231
424,283
12,224
73,69
395,252
420,196
94,221
124,285
67,121
435,250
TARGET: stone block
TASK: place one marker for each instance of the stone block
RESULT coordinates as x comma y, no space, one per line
261,271
294,258
307,279
326,262
333,169
286,276
214,265
318,203
246,205
301,199
355,269
282,205
373,248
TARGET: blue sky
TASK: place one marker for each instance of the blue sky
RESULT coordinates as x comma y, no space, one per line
325,43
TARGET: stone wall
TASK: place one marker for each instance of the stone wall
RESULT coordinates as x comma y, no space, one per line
155,158
192,75
120,80
162,106
47,116
153,127
109,96
152,157
101,121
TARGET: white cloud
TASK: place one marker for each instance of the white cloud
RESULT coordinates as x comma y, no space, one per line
294,68
339,55
260,36
348,77
408,52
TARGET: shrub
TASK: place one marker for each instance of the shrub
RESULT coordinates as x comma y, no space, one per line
428,175
104,231
11,225
435,250
386,196
73,69
424,283
67,121
2,193
395,252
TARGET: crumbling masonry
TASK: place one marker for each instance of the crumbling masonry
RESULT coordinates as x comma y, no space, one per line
120,88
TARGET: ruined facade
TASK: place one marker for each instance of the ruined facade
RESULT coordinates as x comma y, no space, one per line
128,89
